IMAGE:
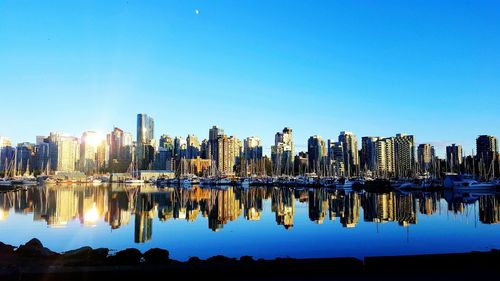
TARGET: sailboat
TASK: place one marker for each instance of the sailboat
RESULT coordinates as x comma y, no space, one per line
5,182
28,178
133,180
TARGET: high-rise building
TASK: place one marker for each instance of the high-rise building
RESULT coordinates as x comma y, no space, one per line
25,157
145,129
351,155
42,156
487,150
336,157
4,141
301,163
88,151
167,142
317,152
102,156
404,155
454,156
180,148
252,149
204,149
64,152
164,158
5,145
193,147
425,156
213,135
145,146
282,153
368,156
120,150
384,154
228,152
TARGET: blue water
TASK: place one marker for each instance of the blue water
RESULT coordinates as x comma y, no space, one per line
263,222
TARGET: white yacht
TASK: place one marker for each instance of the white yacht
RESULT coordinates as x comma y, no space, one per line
345,184
245,183
223,181
5,182
134,181
460,183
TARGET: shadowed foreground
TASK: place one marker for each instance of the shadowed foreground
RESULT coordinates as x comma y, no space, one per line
32,261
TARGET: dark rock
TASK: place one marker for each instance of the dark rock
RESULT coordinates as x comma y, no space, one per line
219,259
194,260
34,249
99,254
126,257
246,259
81,254
6,250
34,244
156,256
7,254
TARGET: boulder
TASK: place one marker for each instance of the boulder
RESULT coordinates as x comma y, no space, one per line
246,259
6,250
126,257
80,256
156,256
194,260
7,254
34,249
34,244
82,253
219,259
99,254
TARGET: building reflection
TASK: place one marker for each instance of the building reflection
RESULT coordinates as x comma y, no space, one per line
345,206
252,203
489,209
115,205
283,205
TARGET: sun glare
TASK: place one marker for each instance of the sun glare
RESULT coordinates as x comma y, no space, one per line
95,139
91,216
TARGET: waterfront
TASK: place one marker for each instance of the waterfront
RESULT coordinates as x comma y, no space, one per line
264,222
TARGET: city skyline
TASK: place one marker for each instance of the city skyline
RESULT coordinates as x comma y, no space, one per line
342,69
223,154
302,146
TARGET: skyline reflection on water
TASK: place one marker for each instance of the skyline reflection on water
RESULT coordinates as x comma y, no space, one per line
262,222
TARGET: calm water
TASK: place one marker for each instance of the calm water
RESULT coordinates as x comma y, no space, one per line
263,222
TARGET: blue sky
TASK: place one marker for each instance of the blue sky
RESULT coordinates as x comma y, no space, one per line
429,68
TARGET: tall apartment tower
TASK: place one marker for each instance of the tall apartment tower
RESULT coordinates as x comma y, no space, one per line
487,150
404,152
64,152
145,141
88,152
367,158
252,148
425,156
385,161
227,150
454,158
213,135
317,152
282,152
351,154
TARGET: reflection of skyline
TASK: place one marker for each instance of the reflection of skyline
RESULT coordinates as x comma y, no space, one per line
116,205
283,204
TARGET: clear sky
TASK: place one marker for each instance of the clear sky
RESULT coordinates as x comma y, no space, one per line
429,68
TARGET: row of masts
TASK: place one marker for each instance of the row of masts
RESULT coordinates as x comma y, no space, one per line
15,168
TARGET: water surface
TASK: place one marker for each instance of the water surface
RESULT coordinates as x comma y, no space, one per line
264,222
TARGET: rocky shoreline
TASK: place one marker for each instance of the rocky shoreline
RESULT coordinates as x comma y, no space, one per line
33,261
